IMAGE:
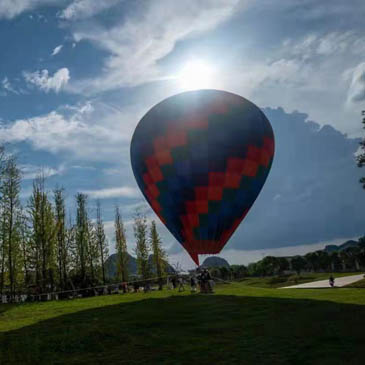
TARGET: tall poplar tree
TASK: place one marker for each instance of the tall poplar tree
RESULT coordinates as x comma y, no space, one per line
25,247
101,240
3,250
72,264
10,203
93,253
44,235
142,247
81,236
2,225
61,248
159,255
121,247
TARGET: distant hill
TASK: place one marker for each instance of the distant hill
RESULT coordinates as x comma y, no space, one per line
214,261
347,244
111,266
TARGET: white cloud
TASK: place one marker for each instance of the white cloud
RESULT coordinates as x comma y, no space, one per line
80,9
57,50
136,45
47,83
111,171
326,44
79,167
356,92
85,131
80,109
124,191
11,8
45,132
296,75
30,172
304,63
5,83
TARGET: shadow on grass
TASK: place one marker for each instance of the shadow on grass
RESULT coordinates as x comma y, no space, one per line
5,307
195,329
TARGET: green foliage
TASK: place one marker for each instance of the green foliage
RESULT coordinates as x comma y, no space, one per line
44,232
61,243
268,266
84,248
298,264
92,253
224,273
238,271
121,247
101,240
159,255
39,251
11,221
336,263
142,247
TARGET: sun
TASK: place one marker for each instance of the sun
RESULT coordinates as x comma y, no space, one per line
196,74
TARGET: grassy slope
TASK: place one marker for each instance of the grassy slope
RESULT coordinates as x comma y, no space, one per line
237,325
277,282
357,284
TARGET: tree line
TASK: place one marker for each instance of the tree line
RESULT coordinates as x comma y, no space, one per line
43,250
349,259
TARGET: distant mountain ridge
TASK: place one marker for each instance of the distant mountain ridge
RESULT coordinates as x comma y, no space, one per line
344,246
215,261
111,266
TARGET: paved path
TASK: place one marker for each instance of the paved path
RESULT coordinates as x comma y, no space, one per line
345,280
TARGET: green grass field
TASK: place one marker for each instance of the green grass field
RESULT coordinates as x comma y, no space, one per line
239,324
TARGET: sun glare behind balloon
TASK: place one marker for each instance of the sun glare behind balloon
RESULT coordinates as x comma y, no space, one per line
196,75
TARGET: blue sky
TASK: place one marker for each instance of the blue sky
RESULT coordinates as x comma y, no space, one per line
77,75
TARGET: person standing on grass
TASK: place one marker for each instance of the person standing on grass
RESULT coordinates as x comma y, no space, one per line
208,281
332,281
124,287
181,284
201,280
136,286
193,284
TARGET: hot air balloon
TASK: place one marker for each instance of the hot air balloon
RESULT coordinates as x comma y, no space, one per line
200,159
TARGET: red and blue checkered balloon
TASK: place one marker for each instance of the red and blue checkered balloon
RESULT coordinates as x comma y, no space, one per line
200,159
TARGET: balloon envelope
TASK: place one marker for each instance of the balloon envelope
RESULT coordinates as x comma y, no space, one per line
200,159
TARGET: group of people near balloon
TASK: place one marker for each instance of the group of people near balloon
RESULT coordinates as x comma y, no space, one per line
201,279
205,281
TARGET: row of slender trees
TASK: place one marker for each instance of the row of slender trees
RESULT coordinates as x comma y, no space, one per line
148,242
43,250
